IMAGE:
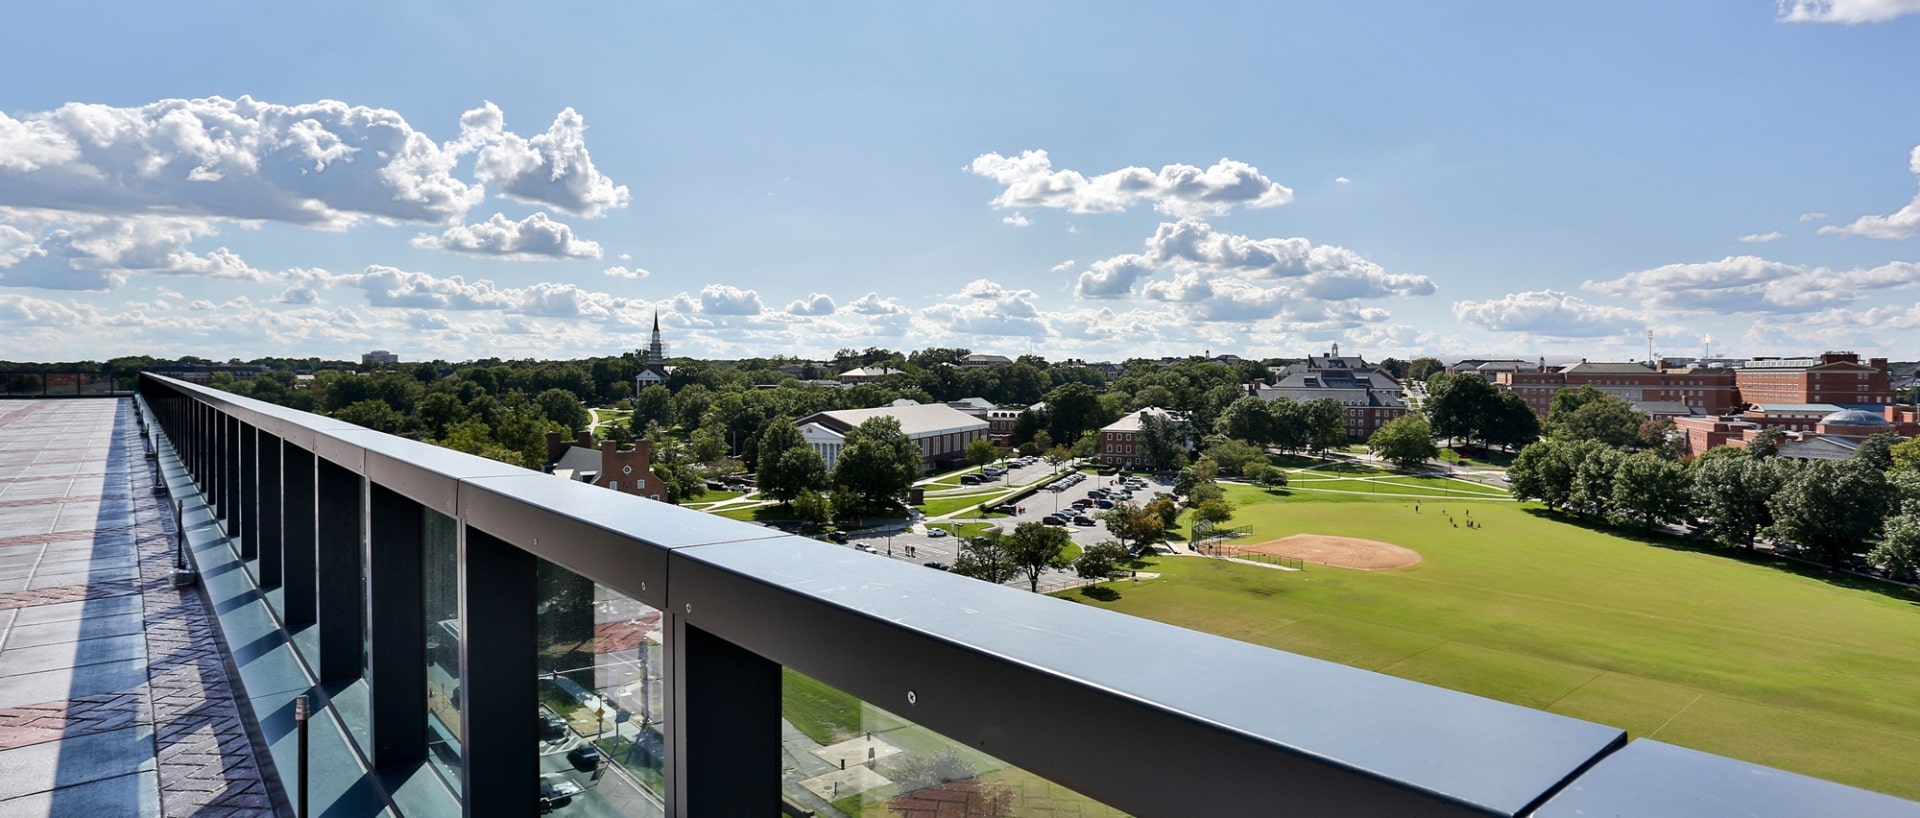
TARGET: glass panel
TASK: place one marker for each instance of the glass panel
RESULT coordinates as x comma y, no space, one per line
441,568
845,758
601,696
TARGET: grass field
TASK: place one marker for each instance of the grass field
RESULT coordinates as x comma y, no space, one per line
1757,659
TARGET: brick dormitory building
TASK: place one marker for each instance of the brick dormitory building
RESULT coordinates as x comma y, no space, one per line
1370,396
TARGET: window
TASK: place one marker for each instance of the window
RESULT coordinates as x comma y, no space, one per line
613,484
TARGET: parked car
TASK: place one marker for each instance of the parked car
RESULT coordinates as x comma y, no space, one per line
1054,519
1083,520
838,536
552,727
969,479
937,532
937,566
557,790
1082,503
1103,503
586,758
864,547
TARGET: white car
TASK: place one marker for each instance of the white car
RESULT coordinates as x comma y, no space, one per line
556,788
936,532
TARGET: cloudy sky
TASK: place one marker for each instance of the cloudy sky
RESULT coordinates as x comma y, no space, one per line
1097,179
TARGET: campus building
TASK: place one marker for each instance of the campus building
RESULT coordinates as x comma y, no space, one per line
1834,377
654,370
629,472
942,432
1370,396
1120,443
1678,392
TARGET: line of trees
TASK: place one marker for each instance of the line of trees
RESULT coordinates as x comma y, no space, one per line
1833,510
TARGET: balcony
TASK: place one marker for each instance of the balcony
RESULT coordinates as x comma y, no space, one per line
477,639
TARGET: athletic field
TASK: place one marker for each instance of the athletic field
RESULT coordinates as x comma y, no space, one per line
1759,660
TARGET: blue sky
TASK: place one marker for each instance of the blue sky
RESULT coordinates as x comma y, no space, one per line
1103,180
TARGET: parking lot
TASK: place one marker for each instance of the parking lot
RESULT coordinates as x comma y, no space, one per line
914,544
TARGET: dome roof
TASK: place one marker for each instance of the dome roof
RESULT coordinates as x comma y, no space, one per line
1854,417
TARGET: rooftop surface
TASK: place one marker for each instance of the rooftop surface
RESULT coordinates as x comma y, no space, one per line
115,698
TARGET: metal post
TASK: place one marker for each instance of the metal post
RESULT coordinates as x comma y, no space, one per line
300,718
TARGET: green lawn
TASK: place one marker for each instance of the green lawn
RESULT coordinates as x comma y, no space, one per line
937,506
1757,659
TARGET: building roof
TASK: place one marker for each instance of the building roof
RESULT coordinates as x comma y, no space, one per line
870,372
919,420
1665,408
1347,395
1798,408
979,359
975,404
1854,417
1606,368
1130,422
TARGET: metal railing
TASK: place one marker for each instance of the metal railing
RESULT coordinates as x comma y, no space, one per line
38,384
1149,718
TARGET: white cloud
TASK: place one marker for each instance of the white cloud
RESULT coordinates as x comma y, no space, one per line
1546,312
533,238
1342,180
1062,266
986,307
1762,238
79,251
552,168
725,299
324,164
391,287
626,257
1178,190
1017,220
1276,267
1902,224
625,272
1754,284
24,310
873,304
1850,12
1812,217
813,304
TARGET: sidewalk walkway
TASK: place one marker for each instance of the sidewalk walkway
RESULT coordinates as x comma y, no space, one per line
114,696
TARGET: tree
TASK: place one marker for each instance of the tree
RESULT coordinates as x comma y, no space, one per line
1326,423
1213,511
1899,548
812,507
986,557
1544,472
1165,509
1289,424
1058,456
1236,456
1422,369
436,411
981,451
1035,547
878,462
1162,440
1590,414
1406,442
1877,450
1731,491
1831,507
1463,406
1650,489
1100,560
1263,474
654,405
1767,442
787,464
1072,410
1906,456
1247,419
1135,524
1514,424
1592,492
563,407
374,414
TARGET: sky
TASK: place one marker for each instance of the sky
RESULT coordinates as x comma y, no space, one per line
1102,180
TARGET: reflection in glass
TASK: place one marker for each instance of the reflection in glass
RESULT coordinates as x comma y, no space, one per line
441,568
600,694
845,758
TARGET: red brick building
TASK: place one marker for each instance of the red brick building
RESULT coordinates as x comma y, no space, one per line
1120,440
1665,392
1370,396
1834,377
629,472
